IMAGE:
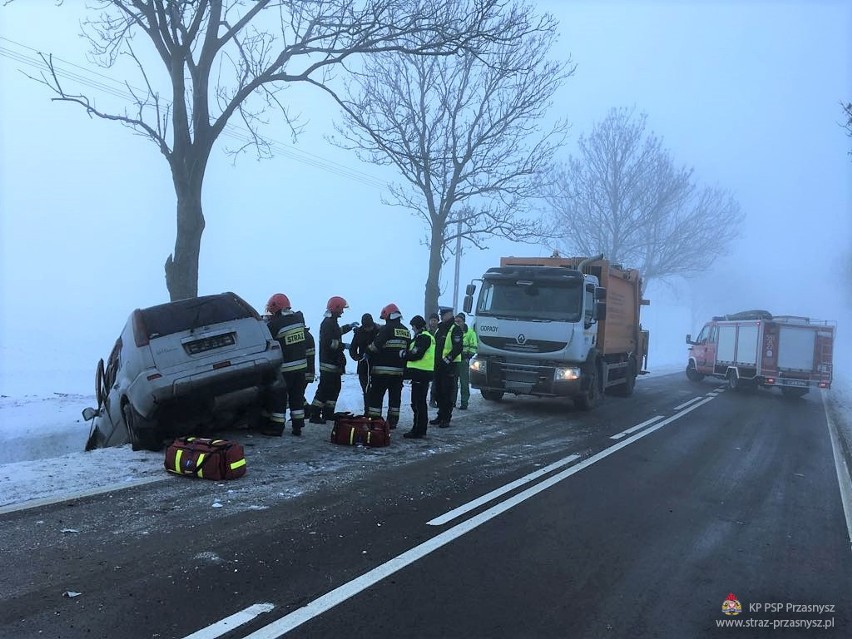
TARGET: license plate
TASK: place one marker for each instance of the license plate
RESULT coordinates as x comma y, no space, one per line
209,343
795,382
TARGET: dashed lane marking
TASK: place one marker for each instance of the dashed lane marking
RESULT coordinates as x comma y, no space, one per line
685,404
624,433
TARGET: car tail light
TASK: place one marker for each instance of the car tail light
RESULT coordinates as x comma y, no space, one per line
154,376
140,333
219,365
823,384
770,380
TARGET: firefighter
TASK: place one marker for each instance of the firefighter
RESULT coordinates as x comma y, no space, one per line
332,361
387,365
419,368
469,345
363,336
288,328
449,342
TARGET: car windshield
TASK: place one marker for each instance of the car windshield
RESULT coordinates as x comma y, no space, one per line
536,300
183,315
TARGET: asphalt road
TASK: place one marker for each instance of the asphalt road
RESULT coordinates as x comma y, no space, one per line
587,531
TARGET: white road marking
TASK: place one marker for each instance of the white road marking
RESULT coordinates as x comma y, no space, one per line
348,590
35,503
461,510
685,404
842,469
229,623
636,427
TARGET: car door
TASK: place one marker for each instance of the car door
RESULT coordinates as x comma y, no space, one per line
112,423
700,350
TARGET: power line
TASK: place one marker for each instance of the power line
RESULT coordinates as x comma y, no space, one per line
106,84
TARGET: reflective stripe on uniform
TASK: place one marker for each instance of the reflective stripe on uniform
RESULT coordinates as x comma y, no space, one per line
386,370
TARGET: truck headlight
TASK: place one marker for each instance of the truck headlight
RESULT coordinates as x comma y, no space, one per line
477,366
566,374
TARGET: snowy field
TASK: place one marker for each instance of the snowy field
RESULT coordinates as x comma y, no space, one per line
42,436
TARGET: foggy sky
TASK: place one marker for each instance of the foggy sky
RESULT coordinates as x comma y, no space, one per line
746,93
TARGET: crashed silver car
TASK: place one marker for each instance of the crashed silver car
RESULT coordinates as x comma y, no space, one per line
185,367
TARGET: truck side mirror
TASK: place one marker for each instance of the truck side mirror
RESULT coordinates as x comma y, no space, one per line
468,300
689,338
600,294
600,309
470,289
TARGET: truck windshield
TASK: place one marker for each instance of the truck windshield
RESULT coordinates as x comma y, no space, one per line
539,300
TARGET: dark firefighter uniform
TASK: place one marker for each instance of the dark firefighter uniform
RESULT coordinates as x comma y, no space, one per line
420,370
449,341
288,328
332,363
362,337
387,365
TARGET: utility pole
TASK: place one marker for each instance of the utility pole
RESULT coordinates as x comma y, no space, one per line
458,263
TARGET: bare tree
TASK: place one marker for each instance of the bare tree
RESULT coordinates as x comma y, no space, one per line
463,133
847,113
226,58
623,196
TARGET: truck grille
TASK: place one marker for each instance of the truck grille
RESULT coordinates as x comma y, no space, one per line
524,346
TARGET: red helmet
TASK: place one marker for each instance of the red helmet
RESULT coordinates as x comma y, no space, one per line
336,304
391,311
277,302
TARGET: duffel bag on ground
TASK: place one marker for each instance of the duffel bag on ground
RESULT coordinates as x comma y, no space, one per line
348,429
352,429
206,458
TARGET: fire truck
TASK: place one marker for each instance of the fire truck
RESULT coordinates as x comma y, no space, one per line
758,349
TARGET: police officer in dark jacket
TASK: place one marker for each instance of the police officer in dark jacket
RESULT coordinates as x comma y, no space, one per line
387,365
362,337
332,361
449,341
420,369
288,329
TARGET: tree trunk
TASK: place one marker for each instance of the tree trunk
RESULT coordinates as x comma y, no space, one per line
433,280
182,266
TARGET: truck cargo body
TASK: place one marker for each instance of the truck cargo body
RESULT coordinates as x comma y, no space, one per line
757,349
546,328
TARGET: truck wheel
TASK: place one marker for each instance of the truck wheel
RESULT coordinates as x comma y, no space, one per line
692,374
733,381
593,395
492,396
793,393
142,433
626,389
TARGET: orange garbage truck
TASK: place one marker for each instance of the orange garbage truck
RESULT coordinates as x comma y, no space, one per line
557,327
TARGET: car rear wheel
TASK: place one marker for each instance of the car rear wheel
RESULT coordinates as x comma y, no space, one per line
142,432
492,396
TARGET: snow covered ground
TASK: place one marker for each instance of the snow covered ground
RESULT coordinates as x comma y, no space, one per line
42,438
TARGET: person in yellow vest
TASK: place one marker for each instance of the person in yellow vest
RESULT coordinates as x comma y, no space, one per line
420,369
449,343
469,344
